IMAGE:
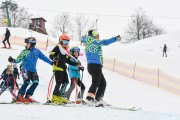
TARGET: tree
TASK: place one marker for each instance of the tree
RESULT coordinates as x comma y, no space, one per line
81,23
19,16
141,27
158,30
62,23
1,18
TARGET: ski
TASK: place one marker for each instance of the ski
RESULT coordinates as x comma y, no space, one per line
129,109
25,103
9,48
74,105
102,106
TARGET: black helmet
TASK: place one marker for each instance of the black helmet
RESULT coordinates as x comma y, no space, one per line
90,33
31,40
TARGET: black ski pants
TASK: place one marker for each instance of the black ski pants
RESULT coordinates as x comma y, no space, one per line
6,38
59,81
98,85
164,53
64,84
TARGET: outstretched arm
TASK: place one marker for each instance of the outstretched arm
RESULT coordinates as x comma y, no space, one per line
92,40
21,56
44,58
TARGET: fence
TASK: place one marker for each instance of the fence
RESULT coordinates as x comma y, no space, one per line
154,77
41,44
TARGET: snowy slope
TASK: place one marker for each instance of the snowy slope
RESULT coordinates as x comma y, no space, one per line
156,104
148,53
21,32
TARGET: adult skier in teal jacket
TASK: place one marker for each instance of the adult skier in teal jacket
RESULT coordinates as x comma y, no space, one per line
94,57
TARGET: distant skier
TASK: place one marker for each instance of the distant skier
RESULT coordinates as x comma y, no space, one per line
9,83
31,56
164,50
7,35
74,74
94,57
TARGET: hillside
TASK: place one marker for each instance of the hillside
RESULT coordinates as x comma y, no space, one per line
121,91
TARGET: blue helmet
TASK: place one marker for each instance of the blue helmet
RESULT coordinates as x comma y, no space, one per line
74,49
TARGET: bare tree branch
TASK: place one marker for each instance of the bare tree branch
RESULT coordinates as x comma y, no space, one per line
81,23
141,27
62,23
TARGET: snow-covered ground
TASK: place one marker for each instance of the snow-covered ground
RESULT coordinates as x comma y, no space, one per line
156,104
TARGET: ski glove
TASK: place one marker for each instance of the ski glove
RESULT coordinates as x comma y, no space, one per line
79,63
81,68
118,38
56,58
10,59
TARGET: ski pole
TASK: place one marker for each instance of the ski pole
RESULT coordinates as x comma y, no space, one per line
80,87
14,91
50,86
65,52
74,80
75,83
51,83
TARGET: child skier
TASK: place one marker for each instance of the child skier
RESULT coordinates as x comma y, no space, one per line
60,58
8,82
29,58
65,77
3,73
16,74
74,73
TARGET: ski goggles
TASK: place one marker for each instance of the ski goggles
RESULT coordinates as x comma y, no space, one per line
65,42
30,41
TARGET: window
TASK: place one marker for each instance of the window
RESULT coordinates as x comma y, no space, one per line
37,23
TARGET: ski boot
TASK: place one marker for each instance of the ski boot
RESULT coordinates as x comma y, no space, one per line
56,100
64,100
78,101
30,99
102,103
20,99
90,101
4,46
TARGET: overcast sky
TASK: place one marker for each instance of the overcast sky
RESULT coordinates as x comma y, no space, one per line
164,12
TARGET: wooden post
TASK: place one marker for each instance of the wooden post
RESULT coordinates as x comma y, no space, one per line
2,38
31,33
47,43
114,64
134,70
158,77
14,39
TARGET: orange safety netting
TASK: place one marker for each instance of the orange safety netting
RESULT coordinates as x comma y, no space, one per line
154,77
16,40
